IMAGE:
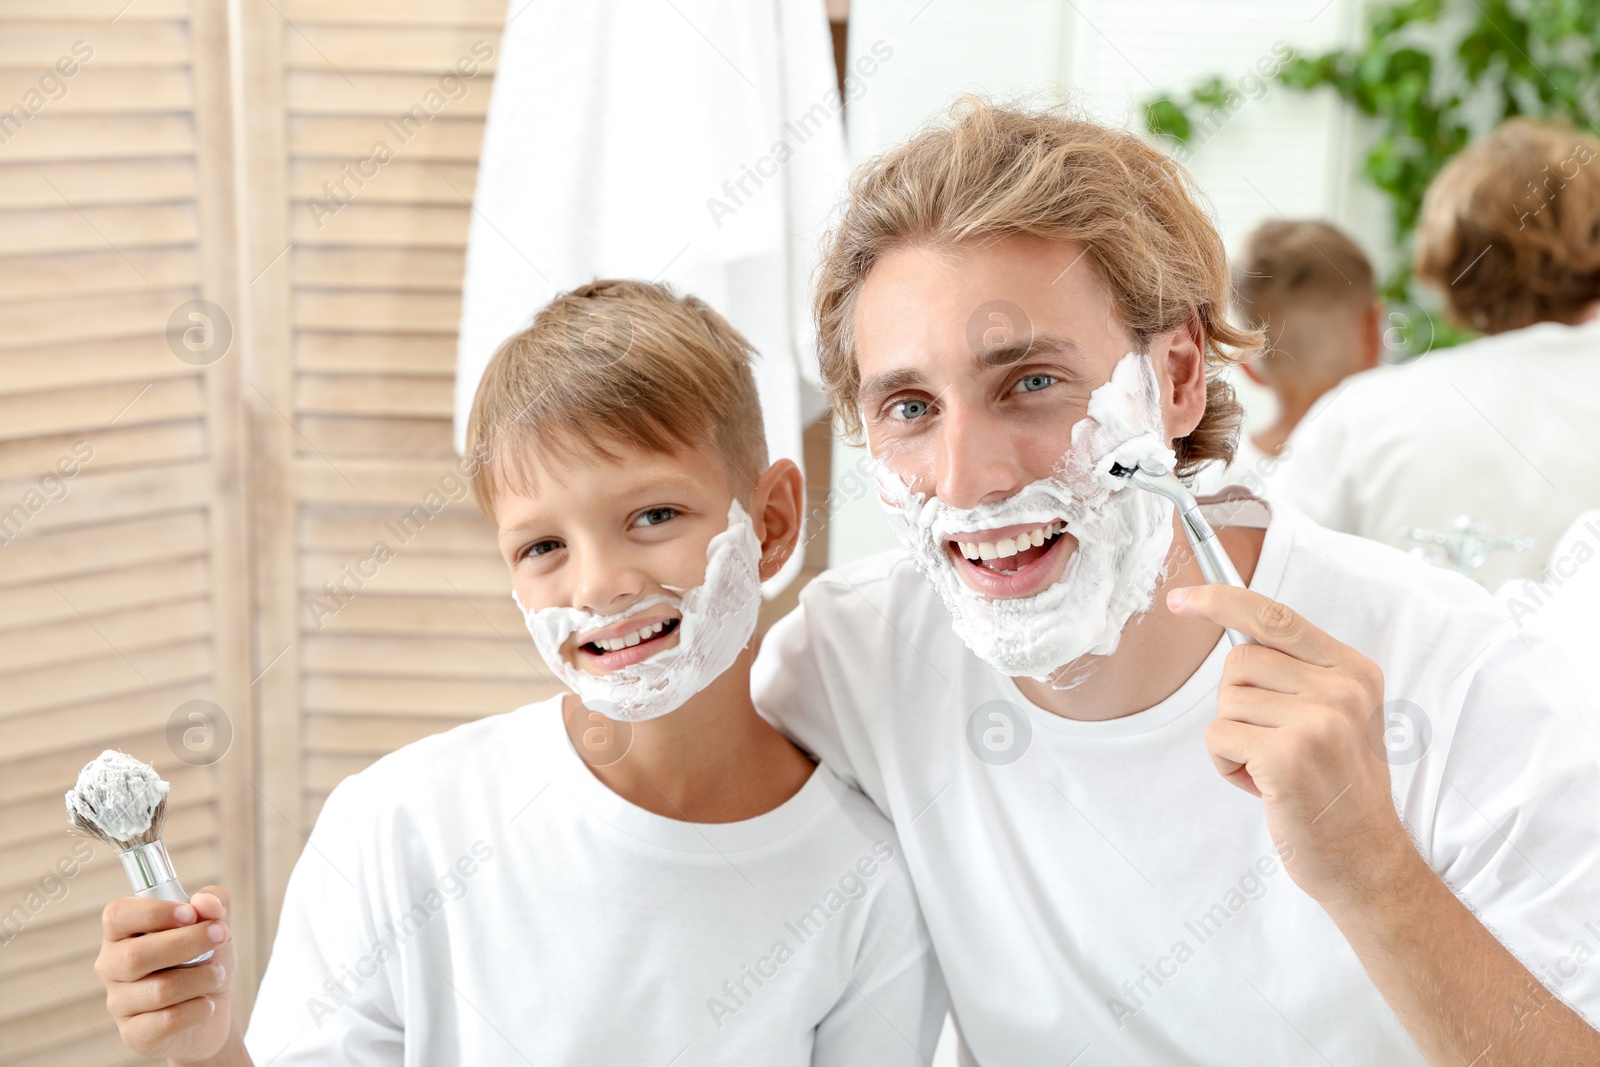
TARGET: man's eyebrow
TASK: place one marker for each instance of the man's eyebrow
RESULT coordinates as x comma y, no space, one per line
1043,345
890,381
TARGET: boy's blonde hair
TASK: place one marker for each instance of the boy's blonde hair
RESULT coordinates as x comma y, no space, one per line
1291,279
995,170
611,364
1510,228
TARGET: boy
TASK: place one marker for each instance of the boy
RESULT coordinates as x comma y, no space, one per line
1310,290
650,875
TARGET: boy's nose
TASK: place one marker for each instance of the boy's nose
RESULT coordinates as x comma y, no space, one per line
605,582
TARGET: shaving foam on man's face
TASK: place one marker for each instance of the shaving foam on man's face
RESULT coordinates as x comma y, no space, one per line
984,561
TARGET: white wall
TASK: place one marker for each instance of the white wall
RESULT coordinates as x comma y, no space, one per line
1279,154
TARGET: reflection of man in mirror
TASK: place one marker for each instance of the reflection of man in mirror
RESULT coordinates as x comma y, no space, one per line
1497,432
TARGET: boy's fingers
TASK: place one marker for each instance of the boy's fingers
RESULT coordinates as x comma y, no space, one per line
166,988
133,958
153,1029
213,902
129,916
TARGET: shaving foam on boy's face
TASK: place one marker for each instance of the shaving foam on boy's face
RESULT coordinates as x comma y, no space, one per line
655,654
982,560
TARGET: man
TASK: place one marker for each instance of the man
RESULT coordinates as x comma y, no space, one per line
1131,844
1310,290
1476,454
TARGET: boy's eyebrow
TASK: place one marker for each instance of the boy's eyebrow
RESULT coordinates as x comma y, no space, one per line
670,483
990,359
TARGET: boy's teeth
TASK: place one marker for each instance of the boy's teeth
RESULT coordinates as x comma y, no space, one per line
644,633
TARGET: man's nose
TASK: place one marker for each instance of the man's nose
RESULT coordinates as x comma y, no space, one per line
978,460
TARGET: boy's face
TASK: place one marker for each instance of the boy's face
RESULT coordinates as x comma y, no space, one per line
976,363
600,535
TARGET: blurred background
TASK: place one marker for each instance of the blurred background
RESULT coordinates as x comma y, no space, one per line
253,255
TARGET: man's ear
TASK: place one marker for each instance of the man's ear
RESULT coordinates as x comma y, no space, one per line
776,511
1253,372
1184,399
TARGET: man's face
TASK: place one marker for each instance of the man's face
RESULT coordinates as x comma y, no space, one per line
976,363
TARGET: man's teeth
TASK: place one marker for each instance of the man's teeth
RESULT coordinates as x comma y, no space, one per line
616,644
1010,546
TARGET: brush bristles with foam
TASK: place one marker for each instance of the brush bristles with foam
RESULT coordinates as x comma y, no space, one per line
118,800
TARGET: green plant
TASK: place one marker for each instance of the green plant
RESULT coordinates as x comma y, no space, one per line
1430,75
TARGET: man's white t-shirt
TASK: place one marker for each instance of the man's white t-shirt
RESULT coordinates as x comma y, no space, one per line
1099,895
480,897
1500,430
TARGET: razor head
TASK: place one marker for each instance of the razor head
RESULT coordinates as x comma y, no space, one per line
1119,471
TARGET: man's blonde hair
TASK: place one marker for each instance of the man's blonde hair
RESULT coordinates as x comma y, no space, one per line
1510,228
992,171
611,364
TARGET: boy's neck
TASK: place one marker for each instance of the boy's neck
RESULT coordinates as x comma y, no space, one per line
712,760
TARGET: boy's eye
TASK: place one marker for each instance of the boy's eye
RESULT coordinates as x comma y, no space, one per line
656,516
1032,383
907,410
540,548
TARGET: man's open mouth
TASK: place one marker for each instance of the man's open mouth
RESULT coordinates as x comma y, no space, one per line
1008,550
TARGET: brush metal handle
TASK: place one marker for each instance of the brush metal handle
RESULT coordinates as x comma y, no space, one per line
150,872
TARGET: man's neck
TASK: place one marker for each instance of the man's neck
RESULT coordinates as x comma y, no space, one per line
1158,651
712,760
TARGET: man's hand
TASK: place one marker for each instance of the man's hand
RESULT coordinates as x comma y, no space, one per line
162,1009
1299,725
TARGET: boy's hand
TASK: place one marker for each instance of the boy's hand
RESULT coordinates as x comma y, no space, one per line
182,1013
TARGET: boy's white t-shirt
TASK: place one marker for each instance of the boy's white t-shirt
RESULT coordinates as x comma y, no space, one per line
480,897
1099,895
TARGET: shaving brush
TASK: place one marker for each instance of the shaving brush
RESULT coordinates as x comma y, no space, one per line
123,802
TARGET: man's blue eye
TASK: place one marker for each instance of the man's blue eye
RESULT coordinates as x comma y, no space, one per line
910,409
1035,382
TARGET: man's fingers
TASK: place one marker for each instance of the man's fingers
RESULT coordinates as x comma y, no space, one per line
1267,668
130,916
1273,624
1232,745
1256,707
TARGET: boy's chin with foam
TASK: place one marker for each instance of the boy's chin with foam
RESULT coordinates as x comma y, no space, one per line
1012,561
623,644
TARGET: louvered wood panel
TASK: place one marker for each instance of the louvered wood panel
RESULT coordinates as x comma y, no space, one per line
123,586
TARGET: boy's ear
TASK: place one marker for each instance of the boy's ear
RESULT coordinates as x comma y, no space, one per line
776,511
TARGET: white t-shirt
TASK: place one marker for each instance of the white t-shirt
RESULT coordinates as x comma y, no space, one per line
1107,898
480,897
1560,604
1501,429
